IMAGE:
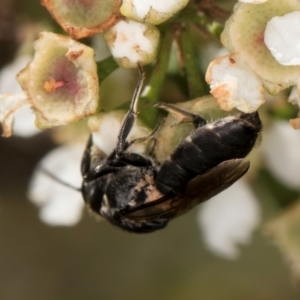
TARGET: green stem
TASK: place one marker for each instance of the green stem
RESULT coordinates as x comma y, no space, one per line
212,26
152,90
195,81
159,71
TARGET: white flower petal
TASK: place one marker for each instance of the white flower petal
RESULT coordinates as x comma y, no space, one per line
9,104
8,81
282,37
63,210
281,148
59,204
234,85
229,219
24,124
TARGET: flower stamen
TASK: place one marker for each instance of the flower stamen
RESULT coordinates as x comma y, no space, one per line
51,85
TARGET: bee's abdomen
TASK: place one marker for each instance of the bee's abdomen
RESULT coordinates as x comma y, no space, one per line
207,147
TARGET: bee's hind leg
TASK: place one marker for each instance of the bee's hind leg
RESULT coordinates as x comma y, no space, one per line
182,114
151,136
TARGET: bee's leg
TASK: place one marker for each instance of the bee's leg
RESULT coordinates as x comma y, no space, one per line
151,136
89,170
151,149
135,159
131,115
86,158
182,114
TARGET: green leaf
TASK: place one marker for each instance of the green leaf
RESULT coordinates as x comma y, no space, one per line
106,67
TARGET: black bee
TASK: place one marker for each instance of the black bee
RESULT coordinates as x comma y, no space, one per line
137,194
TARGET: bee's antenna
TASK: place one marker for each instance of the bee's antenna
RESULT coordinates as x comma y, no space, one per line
59,180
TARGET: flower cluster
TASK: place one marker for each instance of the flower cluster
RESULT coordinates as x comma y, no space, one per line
261,39
61,83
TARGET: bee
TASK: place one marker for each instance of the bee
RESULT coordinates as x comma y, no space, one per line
137,194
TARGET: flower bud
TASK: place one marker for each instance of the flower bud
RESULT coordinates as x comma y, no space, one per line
151,11
132,43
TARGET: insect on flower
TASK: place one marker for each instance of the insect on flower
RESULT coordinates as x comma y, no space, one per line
140,195
134,192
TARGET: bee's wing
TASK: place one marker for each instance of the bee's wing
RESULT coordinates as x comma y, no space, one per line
165,207
218,179
200,189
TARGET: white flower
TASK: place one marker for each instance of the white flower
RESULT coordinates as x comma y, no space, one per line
131,43
280,146
282,37
151,11
244,34
59,204
229,219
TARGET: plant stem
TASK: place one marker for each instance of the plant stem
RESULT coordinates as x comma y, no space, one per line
152,90
159,71
195,81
